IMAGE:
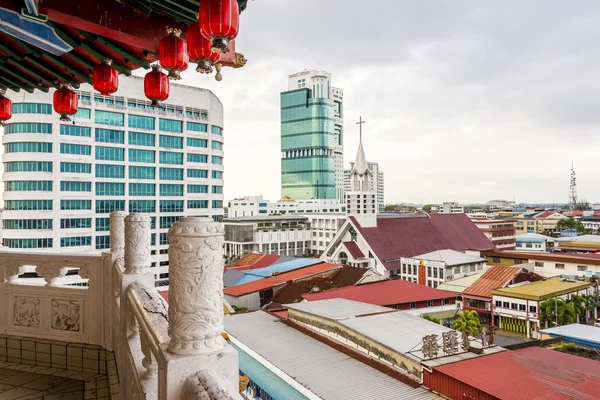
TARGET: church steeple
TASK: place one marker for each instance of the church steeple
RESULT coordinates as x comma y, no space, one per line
360,176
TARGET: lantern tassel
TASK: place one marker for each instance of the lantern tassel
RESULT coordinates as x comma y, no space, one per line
220,45
65,118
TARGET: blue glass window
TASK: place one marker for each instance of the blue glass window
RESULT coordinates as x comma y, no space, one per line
109,118
42,243
142,206
142,189
74,130
169,189
197,203
83,113
110,136
27,224
142,172
197,158
216,145
32,108
217,130
143,156
170,125
166,222
75,204
197,188
75,186
102,242
28,186
110,153
102,224
197,173
196,127
217,160
141,139
217,174
163,238
28,127
110,171
108,206
193,142
75,223
217,189
141,122
169,157
28,147
76,168
28,166
217,204
76,241
171,206
78,149
26,205
171,174
170,142
110,189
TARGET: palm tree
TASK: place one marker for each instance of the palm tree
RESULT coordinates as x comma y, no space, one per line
468,321
557,310
579,306
434,320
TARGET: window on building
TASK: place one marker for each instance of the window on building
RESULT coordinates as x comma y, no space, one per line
74,130
166,222
198,204
170,125
110,136
108,206
217,189
141,156
514,306
171,142
42,243
76,241
413,305
496,260
110,189
27,127
582,268
539,264
522,307
216,130
32,108
171,189
27,224
171,206
141,139
559,266
75,186
102,242
197,158
109,118
216,145
140,122
217,160
533,309
75,204
110,153
429,303
498,303
197,173
169,157
142,189
217,174
28,166
193,142
28,147
217,204
163,239
110,171
197,188
429,272
142,172
26,205
505,304
171,174
75,223
77,149
142,206
196,127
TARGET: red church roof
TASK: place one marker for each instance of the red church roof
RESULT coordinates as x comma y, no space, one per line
383,293
394,238
354,250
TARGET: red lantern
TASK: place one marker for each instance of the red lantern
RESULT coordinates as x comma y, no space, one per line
172,53
199,50
156,86
219,22
105,78
65,102
5,108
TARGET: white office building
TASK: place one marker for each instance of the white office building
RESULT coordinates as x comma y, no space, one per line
451,207
62,179
376,182
251,206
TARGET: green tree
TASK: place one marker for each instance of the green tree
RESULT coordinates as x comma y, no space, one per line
578,306
390,207
467,321
427,207
573,224
557,310
434,320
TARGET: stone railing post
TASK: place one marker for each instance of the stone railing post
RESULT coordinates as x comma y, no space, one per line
117,232
195,307
137,244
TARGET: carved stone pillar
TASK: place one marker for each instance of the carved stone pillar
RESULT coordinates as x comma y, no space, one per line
12,270
196,286
137,244
117,231
51,273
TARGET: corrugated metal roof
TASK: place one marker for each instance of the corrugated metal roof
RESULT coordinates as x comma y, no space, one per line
494,278
277,388
542,290
256,274
354,250
579,333
328,373
530,373
338,308
450,257
459,285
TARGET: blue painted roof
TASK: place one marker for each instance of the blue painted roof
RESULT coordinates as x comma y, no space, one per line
260,375
256,274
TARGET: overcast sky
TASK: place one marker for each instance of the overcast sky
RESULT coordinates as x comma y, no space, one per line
464,100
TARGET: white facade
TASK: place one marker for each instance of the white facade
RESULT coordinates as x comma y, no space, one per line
287,235
500,204
62,179
377,183
251,206
436,272
321,80
451,207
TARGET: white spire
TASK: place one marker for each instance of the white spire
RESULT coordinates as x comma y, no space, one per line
360,162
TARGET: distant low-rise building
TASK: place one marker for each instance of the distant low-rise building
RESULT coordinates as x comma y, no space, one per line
578,244
500,204
534,242
436,267
500,232
253,206
451,207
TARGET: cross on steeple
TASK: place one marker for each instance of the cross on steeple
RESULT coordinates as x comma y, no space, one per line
360,124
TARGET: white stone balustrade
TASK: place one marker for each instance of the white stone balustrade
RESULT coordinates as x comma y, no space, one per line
163,351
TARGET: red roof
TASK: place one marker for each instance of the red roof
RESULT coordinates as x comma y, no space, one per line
383,293
545,214
354,250
494,278
530,373
254,261
394,238
272,281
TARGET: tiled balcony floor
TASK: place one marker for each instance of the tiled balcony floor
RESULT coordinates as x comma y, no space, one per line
22,385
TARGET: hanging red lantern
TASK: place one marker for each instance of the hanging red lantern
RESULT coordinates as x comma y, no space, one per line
5,108
199,50
219,22
105,78
156,86
173,54
65,102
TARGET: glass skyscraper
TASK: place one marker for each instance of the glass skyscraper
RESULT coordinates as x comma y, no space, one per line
62,180
311,138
